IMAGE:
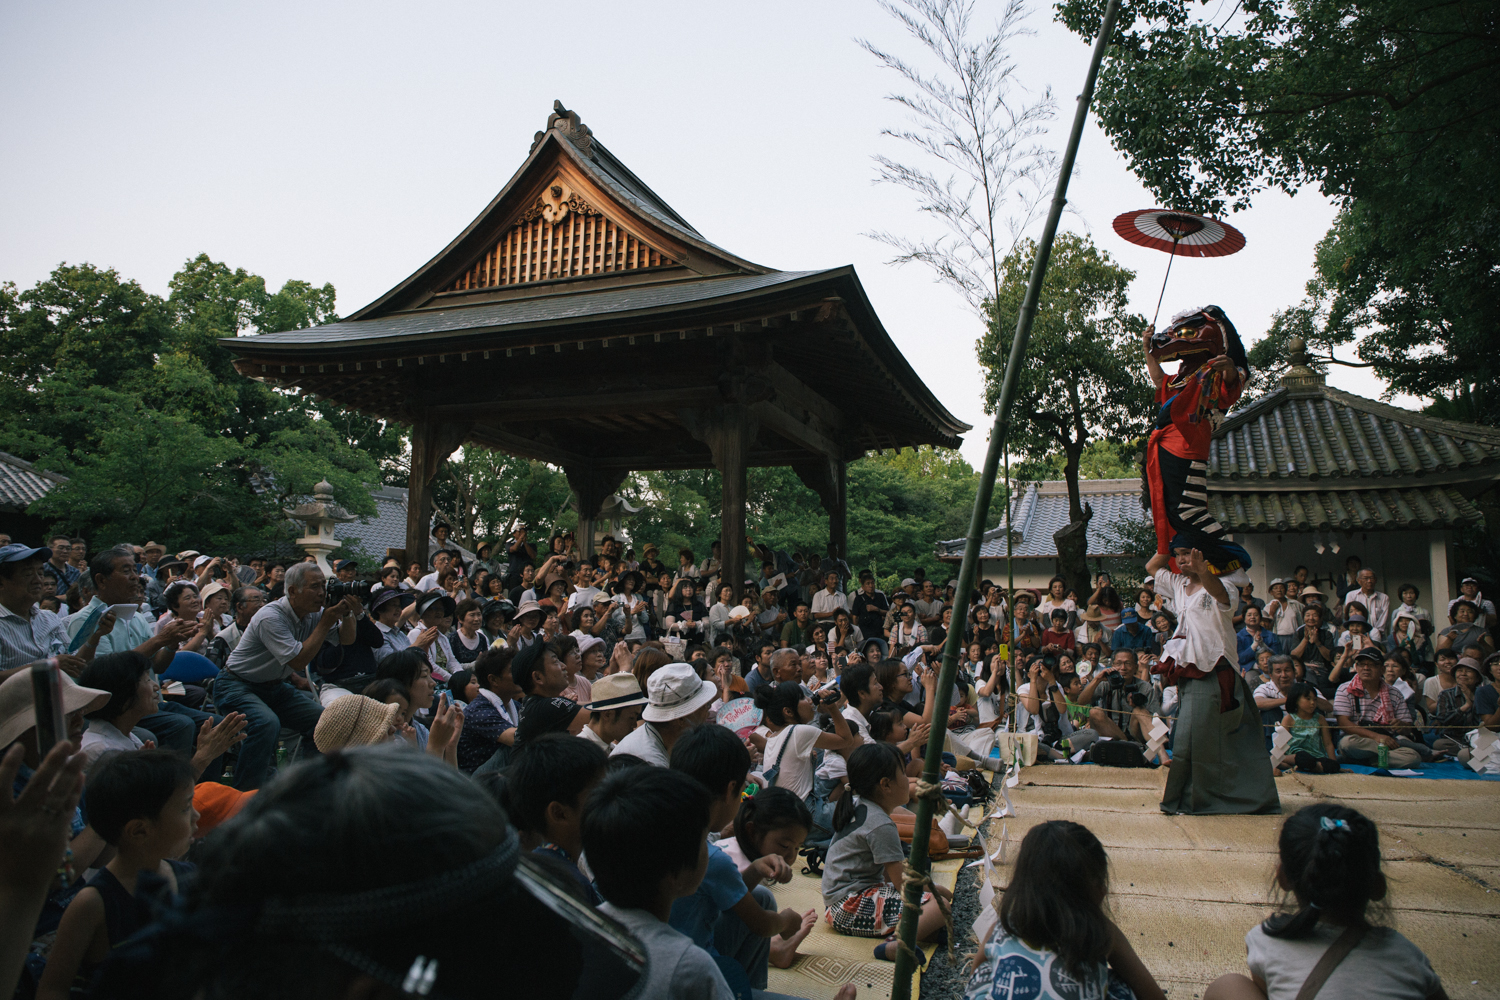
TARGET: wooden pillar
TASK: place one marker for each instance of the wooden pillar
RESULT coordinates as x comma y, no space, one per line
419,493
829,479
838,517
730,442
592,487
431,442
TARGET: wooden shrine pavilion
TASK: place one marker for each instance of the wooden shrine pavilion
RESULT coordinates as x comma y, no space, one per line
581,321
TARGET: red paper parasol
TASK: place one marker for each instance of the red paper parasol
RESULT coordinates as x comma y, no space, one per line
1179,234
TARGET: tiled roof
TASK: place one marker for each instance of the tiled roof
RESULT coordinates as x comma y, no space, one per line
1349,510
1307,457
1319,434
555,307
387,529
1042,509
22,483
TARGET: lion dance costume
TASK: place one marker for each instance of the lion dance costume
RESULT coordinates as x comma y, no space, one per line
1192,406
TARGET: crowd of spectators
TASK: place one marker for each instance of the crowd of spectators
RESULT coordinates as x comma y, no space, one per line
576,693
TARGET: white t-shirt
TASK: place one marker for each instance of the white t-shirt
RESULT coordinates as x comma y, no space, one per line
796,774
1432,688
1385,966
1205,631
1269,690
583,598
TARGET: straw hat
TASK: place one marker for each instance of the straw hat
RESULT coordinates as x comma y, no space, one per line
18,707
616,691
213,588
354,721
1093,614
1310,591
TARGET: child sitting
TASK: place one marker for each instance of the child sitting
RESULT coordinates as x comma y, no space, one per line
862,874
773,822
141,803
1053,930
731,921
545,789
645,832
1330,863
1311,746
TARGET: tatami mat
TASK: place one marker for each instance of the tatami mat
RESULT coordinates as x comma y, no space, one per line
1186,889
830,960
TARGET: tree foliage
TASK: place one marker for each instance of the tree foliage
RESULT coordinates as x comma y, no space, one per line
1389,107
131,396
1082,379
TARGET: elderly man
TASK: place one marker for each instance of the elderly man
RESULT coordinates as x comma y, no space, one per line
27,633
1371,715
116,582
1377,605
281,640
1468,590
1123,703
243,604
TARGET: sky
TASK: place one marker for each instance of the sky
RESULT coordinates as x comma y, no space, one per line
349,142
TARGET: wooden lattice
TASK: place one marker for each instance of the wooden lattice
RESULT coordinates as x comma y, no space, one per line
582,242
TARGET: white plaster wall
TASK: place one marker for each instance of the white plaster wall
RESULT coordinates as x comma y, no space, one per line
1397,557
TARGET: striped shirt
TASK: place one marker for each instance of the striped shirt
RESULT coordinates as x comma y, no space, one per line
27,638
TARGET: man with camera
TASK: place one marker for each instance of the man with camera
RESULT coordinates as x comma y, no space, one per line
1123,703
258,678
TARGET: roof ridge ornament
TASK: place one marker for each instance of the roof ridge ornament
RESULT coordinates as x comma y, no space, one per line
568,124
1301,375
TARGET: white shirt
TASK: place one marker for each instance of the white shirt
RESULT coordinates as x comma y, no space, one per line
1379,606
1205,631
644,743
855,715
823,602
428,582
796,772
583,598
101,737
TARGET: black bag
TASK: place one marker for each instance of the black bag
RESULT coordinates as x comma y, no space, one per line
1118,753
979,786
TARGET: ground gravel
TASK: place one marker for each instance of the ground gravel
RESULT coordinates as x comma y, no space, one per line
945,978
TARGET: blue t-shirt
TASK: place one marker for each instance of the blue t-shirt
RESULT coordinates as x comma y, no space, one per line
722,888
1486,699
1013,970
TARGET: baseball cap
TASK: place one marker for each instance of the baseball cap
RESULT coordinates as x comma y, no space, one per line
616,691
674,691
908,582
202,561
346,564
16,552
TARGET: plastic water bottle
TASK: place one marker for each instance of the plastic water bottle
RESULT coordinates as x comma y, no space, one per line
1383,755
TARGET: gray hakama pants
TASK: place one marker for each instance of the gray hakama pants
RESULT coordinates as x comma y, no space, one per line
1220,765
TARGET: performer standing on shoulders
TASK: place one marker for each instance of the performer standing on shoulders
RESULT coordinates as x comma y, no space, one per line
1219,759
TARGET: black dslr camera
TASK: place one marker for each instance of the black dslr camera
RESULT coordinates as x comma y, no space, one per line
339,589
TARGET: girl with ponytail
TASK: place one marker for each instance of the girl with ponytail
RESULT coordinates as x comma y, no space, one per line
863,872
1053,928
1330,865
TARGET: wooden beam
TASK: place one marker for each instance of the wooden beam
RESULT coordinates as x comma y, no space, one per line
797,393
592,404
774,416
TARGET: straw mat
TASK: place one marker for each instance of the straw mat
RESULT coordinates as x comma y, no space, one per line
1186,889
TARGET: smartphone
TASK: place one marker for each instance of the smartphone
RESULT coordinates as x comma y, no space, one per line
51,721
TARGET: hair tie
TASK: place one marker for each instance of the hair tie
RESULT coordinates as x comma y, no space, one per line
1333,824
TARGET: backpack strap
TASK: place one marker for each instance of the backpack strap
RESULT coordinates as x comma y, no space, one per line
1336,953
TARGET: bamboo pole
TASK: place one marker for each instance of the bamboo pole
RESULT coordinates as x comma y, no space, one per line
919,861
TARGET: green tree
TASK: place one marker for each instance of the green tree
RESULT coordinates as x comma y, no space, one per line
1081,379
1391,108
133,398
484,494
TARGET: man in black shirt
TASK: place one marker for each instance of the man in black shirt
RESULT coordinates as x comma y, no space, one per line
869,607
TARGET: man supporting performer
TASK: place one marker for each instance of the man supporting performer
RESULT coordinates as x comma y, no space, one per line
1219,761
1192,404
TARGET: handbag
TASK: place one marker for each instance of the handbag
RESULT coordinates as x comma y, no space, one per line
906,826
774,771
1336,953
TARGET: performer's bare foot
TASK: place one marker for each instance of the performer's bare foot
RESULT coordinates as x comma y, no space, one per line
784,949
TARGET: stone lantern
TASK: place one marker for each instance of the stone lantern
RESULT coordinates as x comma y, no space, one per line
320,516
